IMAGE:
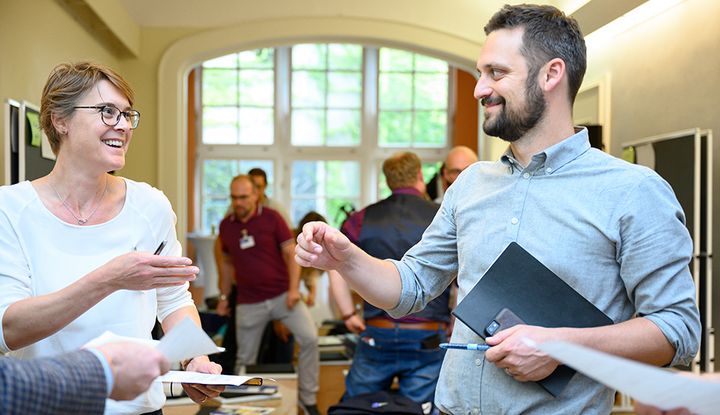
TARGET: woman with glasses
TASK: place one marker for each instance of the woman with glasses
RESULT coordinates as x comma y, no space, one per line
76,246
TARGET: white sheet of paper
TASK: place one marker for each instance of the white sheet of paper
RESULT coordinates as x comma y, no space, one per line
186,340
650,385
204,378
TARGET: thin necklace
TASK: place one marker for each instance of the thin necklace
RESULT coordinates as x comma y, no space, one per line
80,220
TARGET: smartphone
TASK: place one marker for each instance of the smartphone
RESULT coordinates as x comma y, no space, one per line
503,320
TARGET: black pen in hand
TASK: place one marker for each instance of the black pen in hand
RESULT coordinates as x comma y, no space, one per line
160,248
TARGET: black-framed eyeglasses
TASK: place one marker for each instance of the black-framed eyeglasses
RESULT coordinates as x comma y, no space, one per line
110,115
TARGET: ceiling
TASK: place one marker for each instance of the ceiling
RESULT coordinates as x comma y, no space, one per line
219,13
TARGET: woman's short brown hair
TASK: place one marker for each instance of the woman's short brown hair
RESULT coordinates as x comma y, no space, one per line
65,85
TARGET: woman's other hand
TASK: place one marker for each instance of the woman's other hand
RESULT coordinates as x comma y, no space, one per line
143,271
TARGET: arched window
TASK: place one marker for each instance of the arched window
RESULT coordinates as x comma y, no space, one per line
319,119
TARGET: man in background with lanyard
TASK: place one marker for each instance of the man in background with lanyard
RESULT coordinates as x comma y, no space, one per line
258,249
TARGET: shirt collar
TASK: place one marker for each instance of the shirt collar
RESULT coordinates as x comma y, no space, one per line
554,157
407,191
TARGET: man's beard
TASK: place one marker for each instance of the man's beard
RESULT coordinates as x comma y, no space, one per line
510,125
240,212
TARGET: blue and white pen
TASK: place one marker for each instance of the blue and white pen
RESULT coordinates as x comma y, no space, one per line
465,346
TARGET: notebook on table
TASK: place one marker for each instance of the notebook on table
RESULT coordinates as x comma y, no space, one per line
517,288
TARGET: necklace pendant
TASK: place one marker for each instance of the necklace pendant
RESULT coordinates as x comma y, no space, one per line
82,221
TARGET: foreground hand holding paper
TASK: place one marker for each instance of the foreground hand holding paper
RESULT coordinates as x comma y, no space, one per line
650,385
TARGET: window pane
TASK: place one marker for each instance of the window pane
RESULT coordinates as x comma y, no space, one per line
301,207
395,129
395,91
430,128
227,61
308,89
428,64
344,90
308,127
309,56
417,86
216,177
431,91
220,125
256,125
257,88
395,60
303,181
258,58
343,127
219,87
343,178
324,186
348,57
216,181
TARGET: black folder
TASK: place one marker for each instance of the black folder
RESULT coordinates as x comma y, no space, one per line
519,285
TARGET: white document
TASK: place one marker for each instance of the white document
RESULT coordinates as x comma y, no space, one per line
207,379
185,341
650,385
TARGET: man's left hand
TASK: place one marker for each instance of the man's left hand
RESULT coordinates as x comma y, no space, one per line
198,392
519,360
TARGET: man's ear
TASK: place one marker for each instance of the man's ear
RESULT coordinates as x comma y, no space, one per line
552,74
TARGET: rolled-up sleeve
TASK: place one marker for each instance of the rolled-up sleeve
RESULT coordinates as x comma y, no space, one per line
654,255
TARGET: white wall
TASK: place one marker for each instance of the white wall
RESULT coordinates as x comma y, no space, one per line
666,77
34,37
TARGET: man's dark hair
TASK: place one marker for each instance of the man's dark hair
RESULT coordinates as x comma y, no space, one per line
548,34
257,171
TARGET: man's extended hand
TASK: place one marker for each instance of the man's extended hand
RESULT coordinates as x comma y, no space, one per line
134,367
321,246
518,359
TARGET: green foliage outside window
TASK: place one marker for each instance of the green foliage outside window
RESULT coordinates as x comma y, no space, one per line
326,95
413,95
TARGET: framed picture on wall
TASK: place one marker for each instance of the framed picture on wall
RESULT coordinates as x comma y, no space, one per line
12,134
33,162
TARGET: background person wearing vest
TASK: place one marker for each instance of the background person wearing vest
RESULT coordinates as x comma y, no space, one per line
406,347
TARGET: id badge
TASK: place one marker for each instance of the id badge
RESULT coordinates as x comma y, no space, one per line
247,242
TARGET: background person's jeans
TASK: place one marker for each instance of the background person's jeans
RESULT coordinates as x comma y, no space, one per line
396,352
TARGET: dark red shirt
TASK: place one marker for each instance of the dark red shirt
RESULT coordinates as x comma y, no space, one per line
260,270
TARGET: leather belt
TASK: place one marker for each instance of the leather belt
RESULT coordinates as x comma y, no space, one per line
420,325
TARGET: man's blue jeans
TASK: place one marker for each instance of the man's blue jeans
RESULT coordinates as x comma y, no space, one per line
395,352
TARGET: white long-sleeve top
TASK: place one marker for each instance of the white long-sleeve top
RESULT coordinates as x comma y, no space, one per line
41,254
